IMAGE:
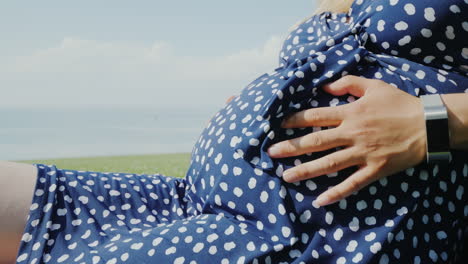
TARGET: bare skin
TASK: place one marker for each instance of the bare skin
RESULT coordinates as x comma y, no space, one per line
18,182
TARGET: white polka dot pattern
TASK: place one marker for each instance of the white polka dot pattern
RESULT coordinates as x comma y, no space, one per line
234,207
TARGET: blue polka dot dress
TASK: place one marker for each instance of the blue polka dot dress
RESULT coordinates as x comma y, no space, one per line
233,205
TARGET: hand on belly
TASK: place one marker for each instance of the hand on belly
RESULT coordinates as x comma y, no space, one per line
382,133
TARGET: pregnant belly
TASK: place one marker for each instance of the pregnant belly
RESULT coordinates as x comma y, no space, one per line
231,172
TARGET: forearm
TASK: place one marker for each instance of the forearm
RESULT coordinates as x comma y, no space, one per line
457,107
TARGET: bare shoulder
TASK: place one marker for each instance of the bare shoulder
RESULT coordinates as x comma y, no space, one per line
16,168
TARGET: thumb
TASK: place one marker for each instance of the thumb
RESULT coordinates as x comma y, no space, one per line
349,84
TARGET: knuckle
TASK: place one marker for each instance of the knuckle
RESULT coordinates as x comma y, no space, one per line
362,132
315,140
289,146
348,78
370,146
311,116
358,155
366,152
354,133
357,108
341,111
329,163
284,147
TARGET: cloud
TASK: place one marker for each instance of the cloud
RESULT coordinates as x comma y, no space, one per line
89,72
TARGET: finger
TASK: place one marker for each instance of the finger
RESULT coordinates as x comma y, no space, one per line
333,162
313,142
358,180
323,116
230,99
350,84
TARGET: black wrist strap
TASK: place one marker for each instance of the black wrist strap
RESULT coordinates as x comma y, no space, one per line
437,130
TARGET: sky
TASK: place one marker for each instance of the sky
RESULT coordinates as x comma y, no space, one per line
60,53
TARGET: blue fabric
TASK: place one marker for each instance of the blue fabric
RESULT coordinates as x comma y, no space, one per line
234,207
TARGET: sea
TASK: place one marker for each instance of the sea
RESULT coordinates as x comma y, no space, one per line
28,133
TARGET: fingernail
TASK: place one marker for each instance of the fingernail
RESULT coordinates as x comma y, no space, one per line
322,200
288,175
274,150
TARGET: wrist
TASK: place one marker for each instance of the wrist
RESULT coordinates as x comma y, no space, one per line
457,122
420,132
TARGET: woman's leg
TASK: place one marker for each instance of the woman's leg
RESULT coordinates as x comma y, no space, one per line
17,182
74,214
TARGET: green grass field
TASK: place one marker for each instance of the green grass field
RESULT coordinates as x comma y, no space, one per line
167,164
